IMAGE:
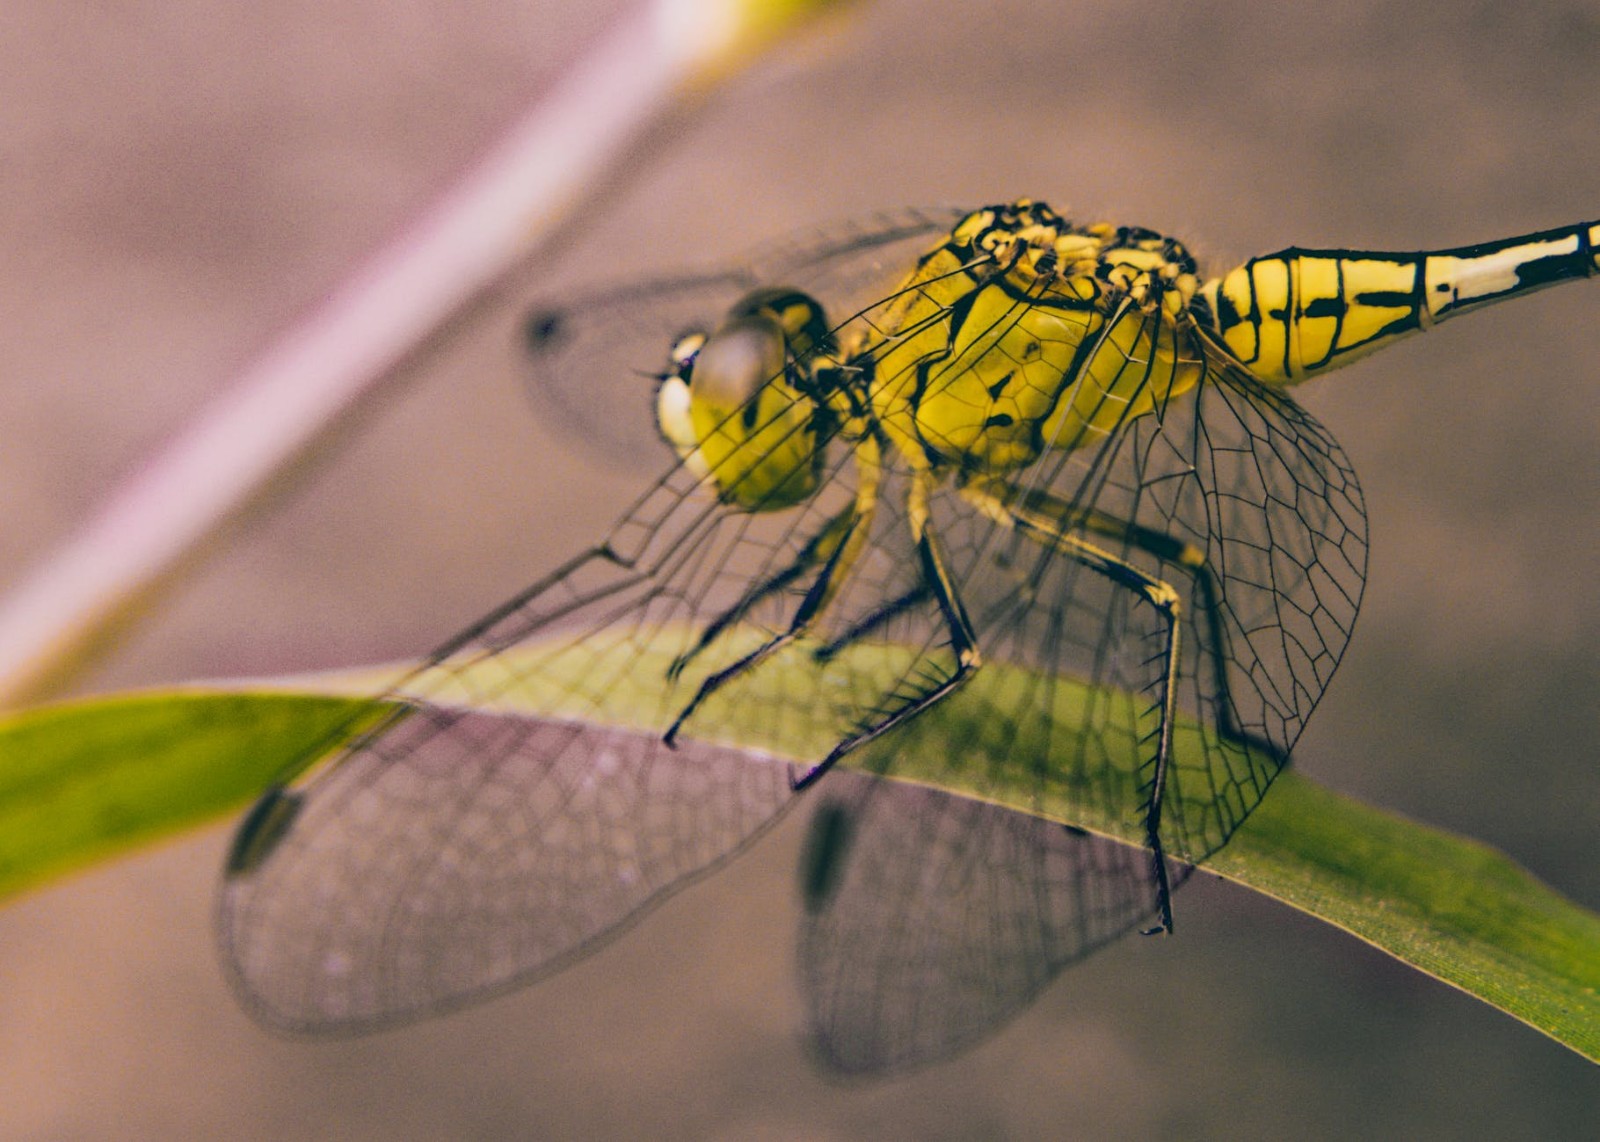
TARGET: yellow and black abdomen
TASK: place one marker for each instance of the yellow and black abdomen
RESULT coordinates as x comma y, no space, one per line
1295,314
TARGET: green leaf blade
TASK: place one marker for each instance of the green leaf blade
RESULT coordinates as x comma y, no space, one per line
1449,906
87,781
84,782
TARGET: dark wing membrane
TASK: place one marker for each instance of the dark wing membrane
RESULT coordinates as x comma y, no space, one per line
932,919
591,357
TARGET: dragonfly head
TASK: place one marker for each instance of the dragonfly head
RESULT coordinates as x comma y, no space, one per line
736,405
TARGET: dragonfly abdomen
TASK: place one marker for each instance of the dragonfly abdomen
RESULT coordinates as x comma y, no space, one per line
1297,313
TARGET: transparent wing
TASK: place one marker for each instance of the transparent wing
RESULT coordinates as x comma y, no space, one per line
1238,499
592,358
948,914
931,919
491,833
521,805
592,362
1286,556
462,853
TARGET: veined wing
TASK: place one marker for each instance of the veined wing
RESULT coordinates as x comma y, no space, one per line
504,822
1241,501
946,914
932,919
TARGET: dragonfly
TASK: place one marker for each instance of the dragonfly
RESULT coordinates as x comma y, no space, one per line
969,513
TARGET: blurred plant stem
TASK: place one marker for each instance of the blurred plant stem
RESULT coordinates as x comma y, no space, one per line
663,57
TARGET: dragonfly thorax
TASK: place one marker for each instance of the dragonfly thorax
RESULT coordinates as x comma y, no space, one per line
1024,333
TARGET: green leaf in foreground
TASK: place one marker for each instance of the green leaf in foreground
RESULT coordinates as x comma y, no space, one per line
86,781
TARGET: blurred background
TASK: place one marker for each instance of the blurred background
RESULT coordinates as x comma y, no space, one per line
181,178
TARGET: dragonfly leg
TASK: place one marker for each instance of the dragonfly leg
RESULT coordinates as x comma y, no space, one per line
835,548
878,618
1210,606
834,569
903,705
1048,522
820,550
1060,518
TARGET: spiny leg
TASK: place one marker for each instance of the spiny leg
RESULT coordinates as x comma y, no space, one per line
820,594
1169,549
936,580
1030,514
845,534
878,618
822,548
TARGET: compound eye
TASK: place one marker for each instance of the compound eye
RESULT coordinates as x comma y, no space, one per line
799,315
732,367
